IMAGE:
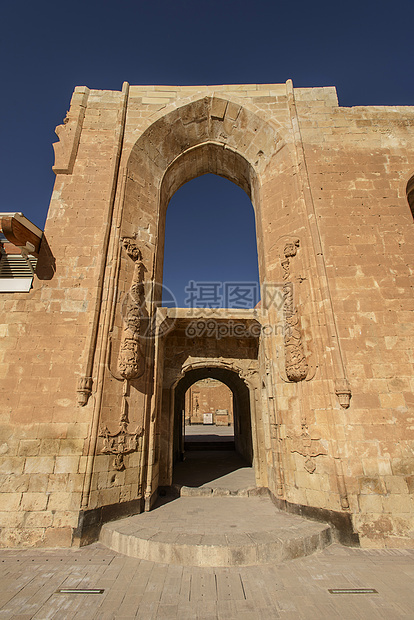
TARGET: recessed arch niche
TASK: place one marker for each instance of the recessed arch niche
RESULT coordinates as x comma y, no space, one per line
210,135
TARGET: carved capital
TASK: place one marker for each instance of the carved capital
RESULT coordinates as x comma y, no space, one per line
343,392
84,390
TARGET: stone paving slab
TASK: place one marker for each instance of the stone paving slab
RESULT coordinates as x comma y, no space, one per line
136,588
215,531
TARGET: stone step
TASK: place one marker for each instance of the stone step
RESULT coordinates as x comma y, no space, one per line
209,445
216,531
178,490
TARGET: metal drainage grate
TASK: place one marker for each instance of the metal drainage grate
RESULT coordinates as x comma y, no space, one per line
352,591
80,591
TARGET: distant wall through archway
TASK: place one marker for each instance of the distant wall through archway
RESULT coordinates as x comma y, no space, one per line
241,407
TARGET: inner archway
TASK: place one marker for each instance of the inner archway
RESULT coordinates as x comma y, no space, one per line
208,419
222,461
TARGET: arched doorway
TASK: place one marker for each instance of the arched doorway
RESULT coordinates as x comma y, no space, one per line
207,158
192,468
187,357
179,146
208,421
241,408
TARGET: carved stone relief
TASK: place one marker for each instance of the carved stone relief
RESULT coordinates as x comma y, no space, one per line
296,365
309,448
122,442
130,360
119,444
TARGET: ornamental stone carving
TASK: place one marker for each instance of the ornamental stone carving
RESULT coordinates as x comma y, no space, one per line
123,442
309,448
130,360
296,365
84,390
119,444
343,392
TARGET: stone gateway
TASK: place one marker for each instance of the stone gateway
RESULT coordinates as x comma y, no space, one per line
94,371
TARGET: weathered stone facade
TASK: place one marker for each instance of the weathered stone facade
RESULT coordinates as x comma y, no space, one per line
322,374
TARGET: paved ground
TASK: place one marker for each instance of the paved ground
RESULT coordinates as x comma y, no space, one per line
217,516
133,588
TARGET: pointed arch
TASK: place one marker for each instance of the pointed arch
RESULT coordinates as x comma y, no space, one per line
207,135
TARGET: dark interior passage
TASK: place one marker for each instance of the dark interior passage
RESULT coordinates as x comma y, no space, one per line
206,452
214,468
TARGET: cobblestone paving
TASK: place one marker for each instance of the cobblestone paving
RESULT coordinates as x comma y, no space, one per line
133,588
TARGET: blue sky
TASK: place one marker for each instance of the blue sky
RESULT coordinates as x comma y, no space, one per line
363,48
211,240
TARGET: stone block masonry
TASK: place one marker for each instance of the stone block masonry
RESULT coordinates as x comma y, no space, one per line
324,389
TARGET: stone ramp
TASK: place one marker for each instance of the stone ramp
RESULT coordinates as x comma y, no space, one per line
216,531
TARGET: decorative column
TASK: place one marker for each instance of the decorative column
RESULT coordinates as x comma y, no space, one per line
131,360
296,365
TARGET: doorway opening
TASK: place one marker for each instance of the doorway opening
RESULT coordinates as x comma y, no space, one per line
213,433
208,416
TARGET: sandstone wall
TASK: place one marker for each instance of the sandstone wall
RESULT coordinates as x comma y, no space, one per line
359,161
208,396
327,181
